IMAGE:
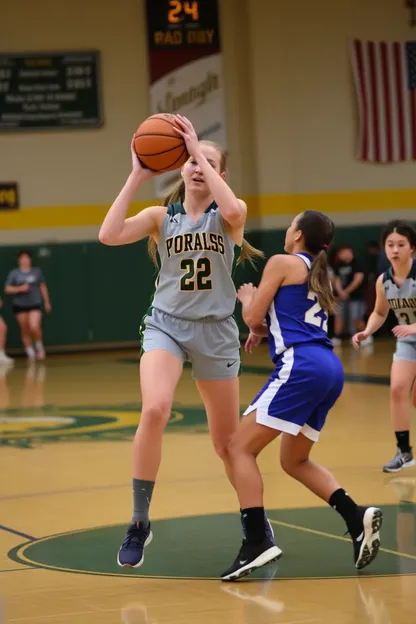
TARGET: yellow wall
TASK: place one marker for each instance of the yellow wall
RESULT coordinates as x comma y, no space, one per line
306,118
290,107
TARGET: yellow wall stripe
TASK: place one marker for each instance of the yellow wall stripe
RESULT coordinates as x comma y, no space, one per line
356,201
264,205
59,216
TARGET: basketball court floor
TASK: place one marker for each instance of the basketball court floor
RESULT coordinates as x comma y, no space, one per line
65,498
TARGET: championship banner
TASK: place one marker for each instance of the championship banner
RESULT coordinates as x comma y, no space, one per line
185,68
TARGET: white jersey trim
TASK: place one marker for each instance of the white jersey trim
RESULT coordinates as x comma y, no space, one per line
305,259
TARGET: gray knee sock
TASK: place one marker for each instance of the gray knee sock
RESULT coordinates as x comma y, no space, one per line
142,495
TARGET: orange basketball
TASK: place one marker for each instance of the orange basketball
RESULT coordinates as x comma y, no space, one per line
158,146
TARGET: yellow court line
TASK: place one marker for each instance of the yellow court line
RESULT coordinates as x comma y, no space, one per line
336,537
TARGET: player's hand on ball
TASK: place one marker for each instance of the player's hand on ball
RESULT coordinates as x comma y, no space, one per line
137,167
189,135
357,338
252,342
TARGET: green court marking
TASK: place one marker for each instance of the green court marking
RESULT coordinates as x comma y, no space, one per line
201,547
27,429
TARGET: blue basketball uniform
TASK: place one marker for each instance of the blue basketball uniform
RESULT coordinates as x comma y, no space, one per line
309,377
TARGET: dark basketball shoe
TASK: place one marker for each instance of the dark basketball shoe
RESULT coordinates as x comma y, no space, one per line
269,530
399,461
268,527
367,544
250,558
131,553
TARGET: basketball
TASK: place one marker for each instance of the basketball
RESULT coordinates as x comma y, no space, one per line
158,146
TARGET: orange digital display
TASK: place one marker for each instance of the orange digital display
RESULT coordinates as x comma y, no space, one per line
183,23
180,11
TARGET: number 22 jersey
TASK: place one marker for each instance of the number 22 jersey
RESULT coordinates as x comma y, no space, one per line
196,265
296,318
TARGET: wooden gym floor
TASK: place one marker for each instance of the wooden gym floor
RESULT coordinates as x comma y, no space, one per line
65,498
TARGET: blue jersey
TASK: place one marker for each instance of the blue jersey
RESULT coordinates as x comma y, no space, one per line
296,318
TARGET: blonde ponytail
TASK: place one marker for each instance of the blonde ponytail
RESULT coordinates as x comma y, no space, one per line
250,253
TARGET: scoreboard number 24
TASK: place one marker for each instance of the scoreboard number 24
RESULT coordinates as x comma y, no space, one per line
180,10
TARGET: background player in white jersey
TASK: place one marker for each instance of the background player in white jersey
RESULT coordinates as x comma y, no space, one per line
396,289
294,297
197,232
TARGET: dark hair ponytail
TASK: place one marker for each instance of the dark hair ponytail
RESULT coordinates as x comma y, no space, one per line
320,284
318,231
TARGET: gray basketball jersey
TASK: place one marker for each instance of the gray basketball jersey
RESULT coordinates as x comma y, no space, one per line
197,261
402,300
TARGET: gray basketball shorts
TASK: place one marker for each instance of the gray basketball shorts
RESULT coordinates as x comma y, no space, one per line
213,347
405,351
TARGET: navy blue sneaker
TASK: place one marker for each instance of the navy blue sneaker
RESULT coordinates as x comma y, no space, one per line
131,553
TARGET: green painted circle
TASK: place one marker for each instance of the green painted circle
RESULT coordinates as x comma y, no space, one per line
202,547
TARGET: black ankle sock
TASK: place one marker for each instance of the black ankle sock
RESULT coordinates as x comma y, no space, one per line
403,441
253,519
348,509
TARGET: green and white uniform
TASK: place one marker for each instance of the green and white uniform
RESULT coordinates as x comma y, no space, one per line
192,310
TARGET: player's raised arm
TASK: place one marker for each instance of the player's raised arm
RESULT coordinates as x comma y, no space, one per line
116,228
233,210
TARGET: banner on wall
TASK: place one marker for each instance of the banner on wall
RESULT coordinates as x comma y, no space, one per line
185,69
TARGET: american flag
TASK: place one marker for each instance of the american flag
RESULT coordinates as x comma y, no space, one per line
385,79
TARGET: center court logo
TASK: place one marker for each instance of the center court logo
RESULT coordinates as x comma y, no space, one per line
30,428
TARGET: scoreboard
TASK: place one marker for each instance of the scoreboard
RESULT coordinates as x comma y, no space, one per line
43,90
182,23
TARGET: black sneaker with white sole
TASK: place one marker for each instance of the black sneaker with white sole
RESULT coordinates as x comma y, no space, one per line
250,558
399,461
367,544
